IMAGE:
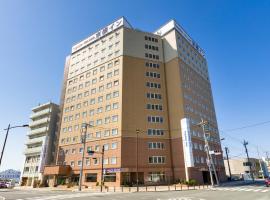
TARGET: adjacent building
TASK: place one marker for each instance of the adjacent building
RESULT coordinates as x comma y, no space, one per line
240,168
10,175
40,143
134,88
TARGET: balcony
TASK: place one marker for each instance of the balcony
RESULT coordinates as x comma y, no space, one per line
38,131
39,122
40,113
34,150
35,140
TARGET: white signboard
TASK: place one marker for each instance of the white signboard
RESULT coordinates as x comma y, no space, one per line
113,26
187,143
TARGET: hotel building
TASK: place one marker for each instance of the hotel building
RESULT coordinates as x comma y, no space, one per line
134,89
40,142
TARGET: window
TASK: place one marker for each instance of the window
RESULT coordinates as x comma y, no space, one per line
106,133
105,161
114,131
115,94
108,107
92,101
101,78
79,163
92,112
155,145
115,83
114,145
73,151
99,121
155,119
156,159
72,163
113,160
114,118
98,134
110,177
107,120
93,91
106,147
100,99
109,85
116,72
102,68
94,81
109,75
91,177
81,150
96,161
155,132
101,88
87,162
115,105
97,147
108,96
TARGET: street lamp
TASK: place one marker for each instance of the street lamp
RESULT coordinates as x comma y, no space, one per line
7,129
83,141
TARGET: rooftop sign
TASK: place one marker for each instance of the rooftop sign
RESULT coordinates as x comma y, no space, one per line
106,30
171,25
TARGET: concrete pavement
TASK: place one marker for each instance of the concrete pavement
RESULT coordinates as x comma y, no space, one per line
231,192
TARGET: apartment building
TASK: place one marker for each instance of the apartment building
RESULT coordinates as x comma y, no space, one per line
134,89
40,143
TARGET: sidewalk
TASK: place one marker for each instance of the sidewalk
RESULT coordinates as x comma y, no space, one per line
177,187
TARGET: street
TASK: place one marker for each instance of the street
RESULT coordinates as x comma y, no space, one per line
240,192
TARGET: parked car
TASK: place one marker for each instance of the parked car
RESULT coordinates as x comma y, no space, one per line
3,185
267,182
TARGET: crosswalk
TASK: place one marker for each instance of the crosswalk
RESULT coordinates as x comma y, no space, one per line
65,196
241,189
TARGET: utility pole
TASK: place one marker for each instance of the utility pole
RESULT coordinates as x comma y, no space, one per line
245,143
210,163
102,168
83,140
260,162
137,150
227,152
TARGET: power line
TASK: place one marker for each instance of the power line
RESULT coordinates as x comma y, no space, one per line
247,126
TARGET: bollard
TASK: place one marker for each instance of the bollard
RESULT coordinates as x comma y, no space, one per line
107,189
181,186
188,187
175,187
168,188
113,188
155,188
199,186
203,186
122,189
129,189
146,188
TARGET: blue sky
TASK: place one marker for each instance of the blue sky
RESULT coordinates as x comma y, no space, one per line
36,36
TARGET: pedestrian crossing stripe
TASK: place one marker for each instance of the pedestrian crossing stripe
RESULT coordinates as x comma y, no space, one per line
240,189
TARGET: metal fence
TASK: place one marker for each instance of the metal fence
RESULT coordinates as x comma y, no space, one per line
177,187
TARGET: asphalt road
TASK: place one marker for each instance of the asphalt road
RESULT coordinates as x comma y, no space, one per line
241,192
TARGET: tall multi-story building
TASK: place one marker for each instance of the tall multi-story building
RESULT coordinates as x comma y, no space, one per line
134,89
40,143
